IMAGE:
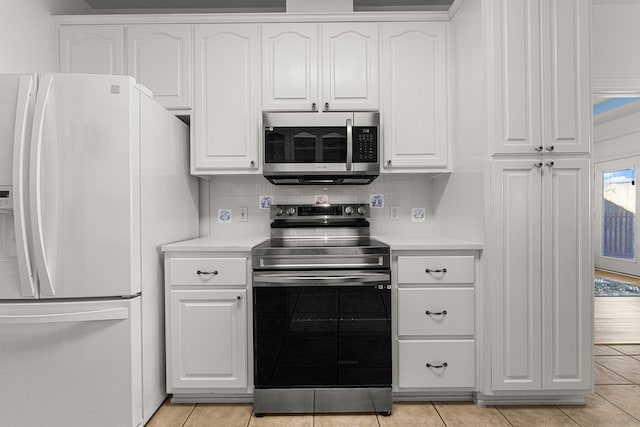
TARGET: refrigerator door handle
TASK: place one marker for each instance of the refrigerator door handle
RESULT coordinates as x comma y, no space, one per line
119,313
35,177
20,156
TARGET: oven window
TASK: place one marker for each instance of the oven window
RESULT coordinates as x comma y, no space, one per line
322,336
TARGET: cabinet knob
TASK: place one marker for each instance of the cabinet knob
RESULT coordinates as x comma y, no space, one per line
326,106
314,107
439,313
239,297
442,365
253,163
538,164
538,148
440,270
388,162
550,164
550,147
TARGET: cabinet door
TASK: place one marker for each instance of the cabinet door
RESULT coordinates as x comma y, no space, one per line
517,86
91,49
567,281
350,66
207,339
290,67
566,91
414,88
226,99
516,225
159,57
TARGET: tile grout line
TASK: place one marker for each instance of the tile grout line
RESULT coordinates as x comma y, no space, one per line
617,373
569,416
188,416
504,416
594,392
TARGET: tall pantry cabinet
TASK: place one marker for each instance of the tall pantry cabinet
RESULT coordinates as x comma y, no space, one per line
541,270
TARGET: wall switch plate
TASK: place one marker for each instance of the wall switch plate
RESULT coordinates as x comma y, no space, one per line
243,214
393,212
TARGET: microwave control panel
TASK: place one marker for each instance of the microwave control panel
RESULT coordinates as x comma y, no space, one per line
365,144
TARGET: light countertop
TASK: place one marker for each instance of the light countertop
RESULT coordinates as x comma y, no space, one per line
397,242
401,242
215,244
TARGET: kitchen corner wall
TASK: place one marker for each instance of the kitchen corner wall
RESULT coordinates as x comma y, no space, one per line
232,192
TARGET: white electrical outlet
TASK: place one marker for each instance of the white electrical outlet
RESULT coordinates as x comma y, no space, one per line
243,214
393,212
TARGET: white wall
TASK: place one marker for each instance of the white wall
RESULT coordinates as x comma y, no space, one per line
618,135
615,40
27,40
459,197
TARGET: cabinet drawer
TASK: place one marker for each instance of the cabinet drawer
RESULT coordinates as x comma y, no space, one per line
413,305
413,357
435,269
208,271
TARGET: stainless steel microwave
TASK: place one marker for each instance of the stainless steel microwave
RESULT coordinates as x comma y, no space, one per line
326,148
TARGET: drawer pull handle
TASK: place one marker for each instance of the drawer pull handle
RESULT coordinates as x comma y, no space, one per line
440,270
212,273
442,365
431,313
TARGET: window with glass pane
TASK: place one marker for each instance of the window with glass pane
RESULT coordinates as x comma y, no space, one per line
619,213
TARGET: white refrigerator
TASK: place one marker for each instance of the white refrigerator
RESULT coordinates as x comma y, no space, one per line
94,177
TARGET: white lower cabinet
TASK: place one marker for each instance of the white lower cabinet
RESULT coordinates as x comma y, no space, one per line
206,324
435,322
209,339
436,363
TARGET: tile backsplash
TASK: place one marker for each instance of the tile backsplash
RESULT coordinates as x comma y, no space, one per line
398,198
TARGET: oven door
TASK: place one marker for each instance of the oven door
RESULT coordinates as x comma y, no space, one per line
322,329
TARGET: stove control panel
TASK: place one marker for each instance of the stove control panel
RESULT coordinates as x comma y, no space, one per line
306,212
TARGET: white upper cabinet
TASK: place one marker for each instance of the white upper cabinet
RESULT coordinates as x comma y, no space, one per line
225,122
328,67
541,70
414,95
350,66
91,49
290,67
159,57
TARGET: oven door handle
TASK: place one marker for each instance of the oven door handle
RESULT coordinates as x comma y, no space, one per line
339,280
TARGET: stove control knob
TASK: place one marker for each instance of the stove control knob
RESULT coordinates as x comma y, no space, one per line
348,210
278,211
291,211
362,210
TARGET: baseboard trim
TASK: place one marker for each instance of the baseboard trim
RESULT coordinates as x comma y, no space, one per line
525,400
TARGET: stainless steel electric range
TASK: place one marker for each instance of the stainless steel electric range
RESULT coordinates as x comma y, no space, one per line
321,313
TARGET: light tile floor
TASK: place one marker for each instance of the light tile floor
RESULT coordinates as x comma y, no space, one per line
616,402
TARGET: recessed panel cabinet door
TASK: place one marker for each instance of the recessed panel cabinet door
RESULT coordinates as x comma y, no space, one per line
414,90
225,120
207,346
91,49
159,57
541,71
566,82
350,66
567,278
290,67
517,346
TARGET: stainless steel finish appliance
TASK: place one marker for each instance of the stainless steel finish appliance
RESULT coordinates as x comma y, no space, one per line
322,313
321,148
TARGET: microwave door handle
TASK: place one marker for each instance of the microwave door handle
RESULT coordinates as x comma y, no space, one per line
349,143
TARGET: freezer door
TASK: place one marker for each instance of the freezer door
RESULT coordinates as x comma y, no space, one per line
71,364
17,93
85,186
